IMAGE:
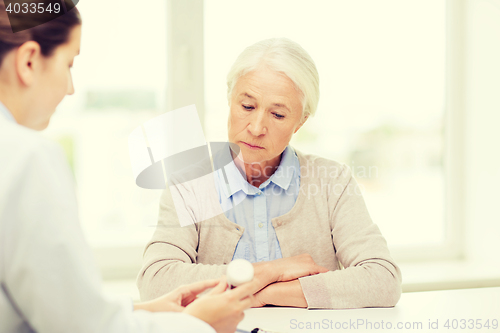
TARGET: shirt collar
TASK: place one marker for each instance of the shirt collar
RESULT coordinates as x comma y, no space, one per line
286,170
235,180
281,177
6,113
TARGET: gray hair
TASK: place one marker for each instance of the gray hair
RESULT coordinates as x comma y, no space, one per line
284,56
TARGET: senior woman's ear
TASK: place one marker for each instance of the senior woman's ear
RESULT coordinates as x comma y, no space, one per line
301,123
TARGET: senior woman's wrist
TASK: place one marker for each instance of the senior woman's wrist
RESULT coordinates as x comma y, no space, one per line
142,306
287,293
264,273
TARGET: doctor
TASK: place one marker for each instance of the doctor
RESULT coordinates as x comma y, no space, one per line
48,280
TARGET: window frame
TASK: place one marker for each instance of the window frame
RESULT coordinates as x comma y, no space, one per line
454,148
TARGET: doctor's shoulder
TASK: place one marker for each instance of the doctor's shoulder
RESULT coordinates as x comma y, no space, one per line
22,148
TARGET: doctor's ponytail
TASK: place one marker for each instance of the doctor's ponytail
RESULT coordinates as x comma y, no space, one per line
48,35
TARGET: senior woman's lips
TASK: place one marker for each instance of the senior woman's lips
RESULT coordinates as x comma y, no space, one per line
252,146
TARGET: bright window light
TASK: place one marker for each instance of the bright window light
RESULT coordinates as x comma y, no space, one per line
120,82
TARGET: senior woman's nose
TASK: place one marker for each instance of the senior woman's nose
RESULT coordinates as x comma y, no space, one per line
258,125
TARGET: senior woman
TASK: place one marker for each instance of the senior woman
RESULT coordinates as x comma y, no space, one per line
300,219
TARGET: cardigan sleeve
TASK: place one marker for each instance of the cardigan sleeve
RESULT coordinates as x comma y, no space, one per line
370,278
170,256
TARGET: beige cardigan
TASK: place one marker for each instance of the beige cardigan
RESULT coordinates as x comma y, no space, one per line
329,221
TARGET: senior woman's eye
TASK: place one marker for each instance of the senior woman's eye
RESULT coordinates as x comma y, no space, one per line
247,107
278,116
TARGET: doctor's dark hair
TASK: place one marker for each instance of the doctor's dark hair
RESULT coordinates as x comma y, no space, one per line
48,35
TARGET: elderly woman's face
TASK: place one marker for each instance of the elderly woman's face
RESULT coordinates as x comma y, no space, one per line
265,111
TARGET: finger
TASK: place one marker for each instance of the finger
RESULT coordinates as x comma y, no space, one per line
220,288
245,289
320,270
201,286
257,286
175,308
246,302
255,303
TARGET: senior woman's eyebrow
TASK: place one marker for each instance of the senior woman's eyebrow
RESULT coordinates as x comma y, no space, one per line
281,106
247,95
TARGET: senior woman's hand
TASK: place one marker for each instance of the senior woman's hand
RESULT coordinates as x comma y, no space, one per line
286,269
287,293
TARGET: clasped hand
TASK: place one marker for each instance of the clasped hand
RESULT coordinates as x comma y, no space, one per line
277,280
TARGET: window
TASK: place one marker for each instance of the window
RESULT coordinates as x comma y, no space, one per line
120,82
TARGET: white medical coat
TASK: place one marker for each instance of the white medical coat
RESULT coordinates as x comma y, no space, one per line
48,278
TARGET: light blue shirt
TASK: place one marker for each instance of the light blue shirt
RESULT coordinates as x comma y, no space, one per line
6,113
253,208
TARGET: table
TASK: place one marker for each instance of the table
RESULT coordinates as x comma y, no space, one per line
464,310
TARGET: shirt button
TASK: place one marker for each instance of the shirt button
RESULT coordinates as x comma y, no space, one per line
259,193
260,225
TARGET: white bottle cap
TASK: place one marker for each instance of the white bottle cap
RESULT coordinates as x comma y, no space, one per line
239,271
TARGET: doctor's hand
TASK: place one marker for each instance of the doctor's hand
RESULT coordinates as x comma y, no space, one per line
177,299
222,309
